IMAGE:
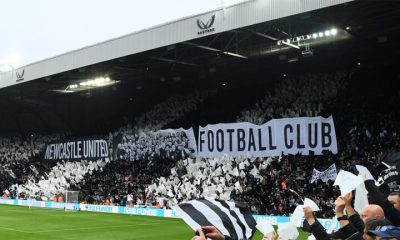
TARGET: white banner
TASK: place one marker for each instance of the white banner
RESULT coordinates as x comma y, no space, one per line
306,136
329,174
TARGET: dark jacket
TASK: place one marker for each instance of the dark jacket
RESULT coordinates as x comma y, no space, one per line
348,232
378,198
353,230
357,223
319,231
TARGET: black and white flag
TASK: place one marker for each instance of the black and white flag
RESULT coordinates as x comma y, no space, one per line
231,219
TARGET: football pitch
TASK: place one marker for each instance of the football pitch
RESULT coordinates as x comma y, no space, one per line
20,223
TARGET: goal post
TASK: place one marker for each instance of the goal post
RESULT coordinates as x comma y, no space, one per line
71,199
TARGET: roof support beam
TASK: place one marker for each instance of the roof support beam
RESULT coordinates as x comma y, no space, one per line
272,38
173,61
215,50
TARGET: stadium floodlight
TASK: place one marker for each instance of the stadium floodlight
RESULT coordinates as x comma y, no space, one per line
299,41
327,33
88,84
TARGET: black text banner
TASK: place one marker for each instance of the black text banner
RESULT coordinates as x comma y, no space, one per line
279,136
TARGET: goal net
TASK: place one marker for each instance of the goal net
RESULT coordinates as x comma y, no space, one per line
71,199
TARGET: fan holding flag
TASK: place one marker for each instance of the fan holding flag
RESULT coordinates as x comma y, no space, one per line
209,232
217,220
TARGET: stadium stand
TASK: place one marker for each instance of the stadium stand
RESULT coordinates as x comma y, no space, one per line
66,174
168,180
151,163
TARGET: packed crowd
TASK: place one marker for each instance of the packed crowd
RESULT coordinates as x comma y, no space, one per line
364,137
165,179
250,180
20,158
55,178
304,96
164,113
60,178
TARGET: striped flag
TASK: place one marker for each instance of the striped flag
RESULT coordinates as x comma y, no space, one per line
231,219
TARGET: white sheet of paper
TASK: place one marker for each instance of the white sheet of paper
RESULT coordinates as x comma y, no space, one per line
362,169
297,215
361,198
347,182
310,203
265,227
287,231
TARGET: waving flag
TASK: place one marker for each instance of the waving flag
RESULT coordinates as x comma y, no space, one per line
231,219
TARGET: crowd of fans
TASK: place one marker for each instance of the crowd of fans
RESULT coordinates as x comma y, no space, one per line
153,169
164,113
20,158
60,178
54,180
250,180
304,96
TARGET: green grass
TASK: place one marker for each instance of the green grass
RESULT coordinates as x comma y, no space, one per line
22,223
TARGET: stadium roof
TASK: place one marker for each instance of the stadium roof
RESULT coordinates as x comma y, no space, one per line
210,23
181,57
